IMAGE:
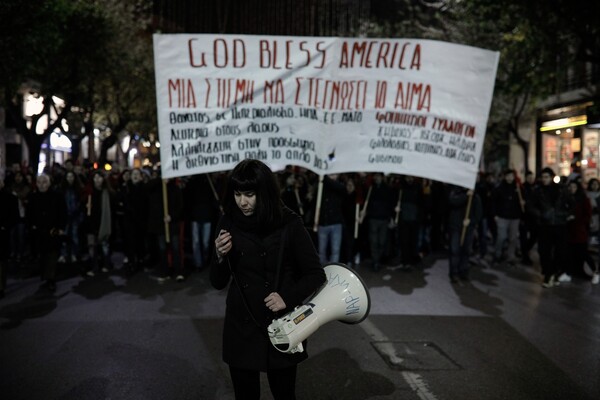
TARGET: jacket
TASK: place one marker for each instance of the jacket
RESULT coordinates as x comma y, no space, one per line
507,204
458,201
551,205
253,259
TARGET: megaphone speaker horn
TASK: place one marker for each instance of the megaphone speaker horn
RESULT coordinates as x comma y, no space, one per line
344,297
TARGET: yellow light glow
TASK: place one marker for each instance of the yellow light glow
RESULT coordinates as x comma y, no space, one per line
563,123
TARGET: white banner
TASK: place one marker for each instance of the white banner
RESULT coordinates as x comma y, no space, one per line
406,106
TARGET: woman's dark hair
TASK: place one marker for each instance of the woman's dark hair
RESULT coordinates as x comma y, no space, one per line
590,182
580,192
105,183
255,176
77,185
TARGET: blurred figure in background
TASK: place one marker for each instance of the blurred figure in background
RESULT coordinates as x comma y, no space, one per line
47,218
72,192
99,222
463,219
552,207
9,213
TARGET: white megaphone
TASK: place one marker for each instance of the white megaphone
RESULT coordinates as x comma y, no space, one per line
344,297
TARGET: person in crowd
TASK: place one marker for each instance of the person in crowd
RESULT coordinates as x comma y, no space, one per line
170,260
47,219
72,192
465,212
350,202
134,222
331,219
485,191
379,211
508,208
424,241
21,189
263,248
527,231
410,211
290,195
121,182
9,213
203,211
99,221
593,193
439,216
578,234
492,182
552,207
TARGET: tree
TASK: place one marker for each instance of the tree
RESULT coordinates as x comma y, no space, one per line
75,50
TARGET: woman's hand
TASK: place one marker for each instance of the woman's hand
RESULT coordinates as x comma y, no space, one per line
223,243
274,302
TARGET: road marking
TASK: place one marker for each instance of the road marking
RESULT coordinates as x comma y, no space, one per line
414,380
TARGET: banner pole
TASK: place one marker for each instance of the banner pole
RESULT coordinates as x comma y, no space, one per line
398,206
212,187
356,218
300,208
464,229
318,206
364,210
165,209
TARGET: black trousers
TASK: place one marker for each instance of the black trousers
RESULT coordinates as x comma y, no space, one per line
246,383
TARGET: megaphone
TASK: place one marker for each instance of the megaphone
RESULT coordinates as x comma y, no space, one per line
343,297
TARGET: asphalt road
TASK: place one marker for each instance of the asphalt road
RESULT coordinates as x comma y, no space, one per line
500,336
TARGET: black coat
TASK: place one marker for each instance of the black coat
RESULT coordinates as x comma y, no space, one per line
254,260
507,203
46,215
551,205
9,215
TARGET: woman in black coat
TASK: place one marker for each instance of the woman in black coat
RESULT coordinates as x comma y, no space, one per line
251,233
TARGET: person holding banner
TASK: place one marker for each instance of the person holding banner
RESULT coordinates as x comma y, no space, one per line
165,213
350,209
203,207
264,250
331,219
379,205
463,218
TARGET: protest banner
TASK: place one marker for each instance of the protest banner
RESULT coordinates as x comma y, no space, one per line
331,105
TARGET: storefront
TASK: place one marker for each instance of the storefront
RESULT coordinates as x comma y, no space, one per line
568,140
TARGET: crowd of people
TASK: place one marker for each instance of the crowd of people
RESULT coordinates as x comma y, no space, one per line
75,214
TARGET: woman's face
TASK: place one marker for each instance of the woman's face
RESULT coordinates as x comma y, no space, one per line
350,186
70,178
98,179
246,202
595,186
136,176
572,188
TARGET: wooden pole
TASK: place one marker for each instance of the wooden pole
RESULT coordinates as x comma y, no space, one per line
356,217
300,208
89,205
212,187
364,210
464,229
165,210
318,206
398,206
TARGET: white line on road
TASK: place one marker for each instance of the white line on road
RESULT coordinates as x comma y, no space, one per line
415,381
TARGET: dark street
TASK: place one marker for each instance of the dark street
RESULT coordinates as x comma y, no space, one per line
500,336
